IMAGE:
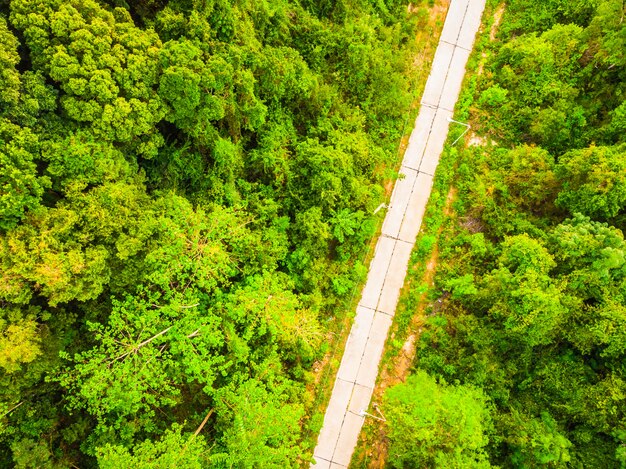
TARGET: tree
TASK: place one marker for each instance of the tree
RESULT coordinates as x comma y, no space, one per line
434,424
594,181
521,294
539,74
173,449
9,58
261,425
21,186
266,308
608,34
78,162
191,86
144,355
19,342
536,442
106,68
590,255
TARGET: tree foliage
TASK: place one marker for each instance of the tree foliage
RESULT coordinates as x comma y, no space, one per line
531,273
185,190
438,426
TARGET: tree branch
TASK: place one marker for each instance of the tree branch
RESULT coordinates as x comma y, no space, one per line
13,408
199,429
145,342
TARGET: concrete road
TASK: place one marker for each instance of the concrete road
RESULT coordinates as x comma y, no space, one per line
359,366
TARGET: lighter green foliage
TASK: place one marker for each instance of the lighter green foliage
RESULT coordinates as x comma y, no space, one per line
189,83
522,293
537,68
462,286
436,425
536,78
608,329
618,120
267,306
593,255
494,96
79,161
64,249
520,178
609,27
263,430
286,76
105,66
29,452
9,58
19,344
346,224
173,449
117,226
143,353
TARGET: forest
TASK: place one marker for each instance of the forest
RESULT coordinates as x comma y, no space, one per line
186,189
522,359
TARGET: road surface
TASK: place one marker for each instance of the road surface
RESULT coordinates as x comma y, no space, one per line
357,373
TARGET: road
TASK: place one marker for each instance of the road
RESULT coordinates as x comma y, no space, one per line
357,373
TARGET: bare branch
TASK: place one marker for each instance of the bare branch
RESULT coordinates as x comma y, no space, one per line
199,429
145,342
12,409
179,307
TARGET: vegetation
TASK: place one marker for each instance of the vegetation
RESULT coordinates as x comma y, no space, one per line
532,270
185,187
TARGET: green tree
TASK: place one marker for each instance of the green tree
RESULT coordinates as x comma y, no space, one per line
536,442
173,449
521,294
594,181
261,425
434,424
9,58
21,186
106,68
192,86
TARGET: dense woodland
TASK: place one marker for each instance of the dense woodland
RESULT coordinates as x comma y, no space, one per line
522,361
186,187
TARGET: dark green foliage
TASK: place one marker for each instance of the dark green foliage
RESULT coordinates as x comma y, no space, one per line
532,273
594,181
186,189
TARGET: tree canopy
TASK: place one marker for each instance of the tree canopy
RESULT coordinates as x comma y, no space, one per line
531,274
186,189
